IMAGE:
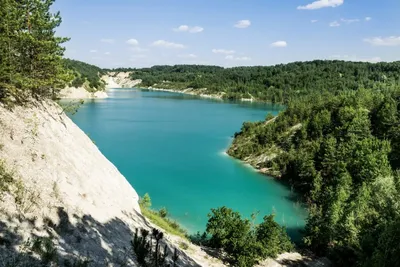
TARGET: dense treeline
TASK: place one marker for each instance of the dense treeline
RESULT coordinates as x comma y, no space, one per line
30,53
280,83
341,153
85,75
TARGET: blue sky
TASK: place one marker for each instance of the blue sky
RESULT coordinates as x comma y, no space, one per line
141,33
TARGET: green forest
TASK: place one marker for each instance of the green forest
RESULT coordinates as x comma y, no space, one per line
340,152
277,84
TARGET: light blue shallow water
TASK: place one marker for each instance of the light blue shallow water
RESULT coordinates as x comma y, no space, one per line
172,146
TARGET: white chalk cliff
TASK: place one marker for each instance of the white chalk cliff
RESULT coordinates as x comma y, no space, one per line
65,189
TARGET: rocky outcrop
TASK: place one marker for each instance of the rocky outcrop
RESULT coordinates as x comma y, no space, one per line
119,80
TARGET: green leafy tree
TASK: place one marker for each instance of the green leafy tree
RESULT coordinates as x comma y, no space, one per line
145,201
243,241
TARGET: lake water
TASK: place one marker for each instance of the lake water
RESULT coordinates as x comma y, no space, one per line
172,146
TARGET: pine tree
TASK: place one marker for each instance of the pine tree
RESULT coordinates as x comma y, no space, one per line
30,52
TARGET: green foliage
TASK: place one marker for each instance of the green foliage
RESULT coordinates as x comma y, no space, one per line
85,75
30,53
156,217
163,212
340,152
71,107
6,178
280,83
273,237
245,243
145,201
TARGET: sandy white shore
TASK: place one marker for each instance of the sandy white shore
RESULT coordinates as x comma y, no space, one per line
80,93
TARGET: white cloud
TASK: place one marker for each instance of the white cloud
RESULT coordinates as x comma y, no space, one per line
368,18
314,21
355,58
186,28
384,41
108,41
196,29
349,21
279,44
182,28
321,4
107,53
188,56
166,44
93,51
241,24
230,57
223,51
334,24
132,42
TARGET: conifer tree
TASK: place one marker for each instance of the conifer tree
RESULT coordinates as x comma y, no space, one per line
31,53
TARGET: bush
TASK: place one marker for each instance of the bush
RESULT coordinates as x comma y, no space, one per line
244,243
163,212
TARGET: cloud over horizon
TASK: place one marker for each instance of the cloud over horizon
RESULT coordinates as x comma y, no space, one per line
166,44
223,51
230,57
384,41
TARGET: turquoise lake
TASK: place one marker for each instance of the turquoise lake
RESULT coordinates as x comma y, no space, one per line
172,146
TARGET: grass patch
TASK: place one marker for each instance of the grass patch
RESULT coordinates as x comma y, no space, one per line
165,223
6,178
183,246
160,218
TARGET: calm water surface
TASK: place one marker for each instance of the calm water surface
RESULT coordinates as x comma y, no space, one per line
172,146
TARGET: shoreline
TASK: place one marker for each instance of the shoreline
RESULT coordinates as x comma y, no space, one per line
198,92
263,171
188,91
81,93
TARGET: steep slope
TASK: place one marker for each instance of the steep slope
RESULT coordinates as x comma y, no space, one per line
64,189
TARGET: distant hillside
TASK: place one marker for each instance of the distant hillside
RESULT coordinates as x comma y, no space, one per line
280,83
85,75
